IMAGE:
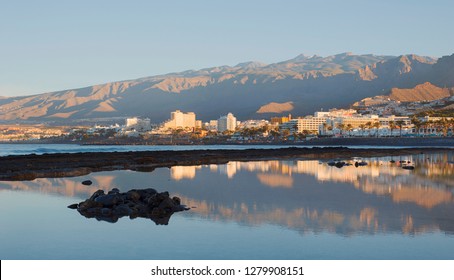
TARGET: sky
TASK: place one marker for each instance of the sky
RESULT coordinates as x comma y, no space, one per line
57,45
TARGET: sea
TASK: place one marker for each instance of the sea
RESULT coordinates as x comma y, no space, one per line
261,210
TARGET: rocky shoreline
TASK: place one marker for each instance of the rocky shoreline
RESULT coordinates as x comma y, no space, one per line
30,167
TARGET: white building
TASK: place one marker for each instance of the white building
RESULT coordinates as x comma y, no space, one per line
212,125
310,124
137,124
227,123
131,122
252,124
179,119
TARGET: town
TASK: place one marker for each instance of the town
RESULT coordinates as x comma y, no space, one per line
370,117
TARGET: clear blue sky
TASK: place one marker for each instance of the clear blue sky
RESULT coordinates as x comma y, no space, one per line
56,45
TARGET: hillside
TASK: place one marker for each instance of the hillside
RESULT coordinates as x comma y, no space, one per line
422,92
249,90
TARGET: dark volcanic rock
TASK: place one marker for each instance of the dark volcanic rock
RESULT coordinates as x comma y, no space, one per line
87,183
144,203
408,167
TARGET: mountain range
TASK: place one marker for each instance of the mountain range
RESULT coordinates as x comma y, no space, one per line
298,86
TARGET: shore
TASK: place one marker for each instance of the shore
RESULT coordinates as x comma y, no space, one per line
383,141
29,167
322,141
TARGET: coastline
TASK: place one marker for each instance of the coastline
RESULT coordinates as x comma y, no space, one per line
30,167
417,141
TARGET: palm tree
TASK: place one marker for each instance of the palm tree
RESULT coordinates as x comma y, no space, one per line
376,125
275,133
369,126
400,124
430,126
417,123
349,129
341,127
392,126
362,127
444,123
285,133
329,128
451,125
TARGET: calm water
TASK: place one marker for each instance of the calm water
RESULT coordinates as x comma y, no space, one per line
245,210
23,149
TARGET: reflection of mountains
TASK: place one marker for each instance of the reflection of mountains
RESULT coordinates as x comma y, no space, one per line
427,185
307,196
302,195
71,187
305,220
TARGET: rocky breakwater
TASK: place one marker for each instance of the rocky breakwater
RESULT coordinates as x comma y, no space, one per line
143,203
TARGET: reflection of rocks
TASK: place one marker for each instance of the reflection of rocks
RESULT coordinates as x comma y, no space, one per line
144,203
87,183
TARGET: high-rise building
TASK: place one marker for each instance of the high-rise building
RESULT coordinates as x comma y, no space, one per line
179,119
227,123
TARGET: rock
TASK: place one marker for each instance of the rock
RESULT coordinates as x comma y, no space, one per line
340,164
168,205
109,200
392,161
122,210
106,212
87,204
96,194
109,219
144,203
87,183
133,195
176,200
408,167
114,191
73,206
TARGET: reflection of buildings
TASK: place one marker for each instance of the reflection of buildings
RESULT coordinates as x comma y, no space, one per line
425,187
228,169
183,172
275,180
386,197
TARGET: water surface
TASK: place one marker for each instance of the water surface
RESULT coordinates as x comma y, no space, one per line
279,209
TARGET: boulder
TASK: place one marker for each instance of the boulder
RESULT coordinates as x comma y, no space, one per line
144,203
96,194
109,200
87,183
73,206
114,191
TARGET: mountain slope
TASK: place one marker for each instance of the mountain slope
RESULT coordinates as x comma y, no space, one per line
309,83
422,92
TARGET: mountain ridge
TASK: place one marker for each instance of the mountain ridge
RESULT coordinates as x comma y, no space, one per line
309,82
